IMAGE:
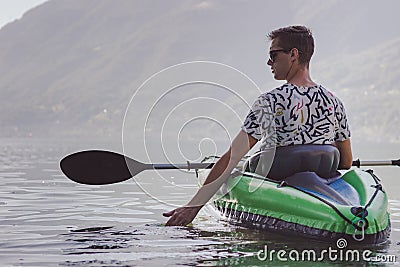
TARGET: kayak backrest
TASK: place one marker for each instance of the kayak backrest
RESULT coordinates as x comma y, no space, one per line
288,160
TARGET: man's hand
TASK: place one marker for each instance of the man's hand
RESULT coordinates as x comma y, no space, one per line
181,216
220,172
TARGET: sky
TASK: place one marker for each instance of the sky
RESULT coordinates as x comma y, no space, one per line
11,10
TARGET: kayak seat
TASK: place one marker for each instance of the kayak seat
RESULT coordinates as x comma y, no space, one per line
309,167
335,188
288,160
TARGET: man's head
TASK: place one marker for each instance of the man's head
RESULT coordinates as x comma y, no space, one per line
299,37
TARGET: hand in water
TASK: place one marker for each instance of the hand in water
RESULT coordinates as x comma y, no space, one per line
181,216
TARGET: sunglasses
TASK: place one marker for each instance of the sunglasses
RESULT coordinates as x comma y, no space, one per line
274,53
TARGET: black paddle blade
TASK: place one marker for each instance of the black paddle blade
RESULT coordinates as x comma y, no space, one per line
96,167
396,162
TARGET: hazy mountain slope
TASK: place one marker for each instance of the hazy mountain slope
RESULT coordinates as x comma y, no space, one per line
70,67
368,82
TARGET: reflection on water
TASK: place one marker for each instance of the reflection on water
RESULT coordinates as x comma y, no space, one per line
47,220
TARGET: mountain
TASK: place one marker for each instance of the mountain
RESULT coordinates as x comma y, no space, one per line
71,67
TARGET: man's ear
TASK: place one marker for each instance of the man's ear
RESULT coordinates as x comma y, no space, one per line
294,53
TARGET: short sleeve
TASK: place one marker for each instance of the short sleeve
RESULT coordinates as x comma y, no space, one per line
251,125
259,122
342,129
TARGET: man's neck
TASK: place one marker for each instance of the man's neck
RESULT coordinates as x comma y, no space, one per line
301,77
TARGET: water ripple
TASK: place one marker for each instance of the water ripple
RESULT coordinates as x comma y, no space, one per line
47,220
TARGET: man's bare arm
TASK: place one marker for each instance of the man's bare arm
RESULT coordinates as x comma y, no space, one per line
346,156
217,176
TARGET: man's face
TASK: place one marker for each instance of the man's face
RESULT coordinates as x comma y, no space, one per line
279,60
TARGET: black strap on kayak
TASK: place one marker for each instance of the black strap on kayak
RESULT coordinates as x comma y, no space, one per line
330,205
283,184
378,187
362,212
371,172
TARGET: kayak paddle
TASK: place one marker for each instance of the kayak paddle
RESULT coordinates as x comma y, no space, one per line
97,167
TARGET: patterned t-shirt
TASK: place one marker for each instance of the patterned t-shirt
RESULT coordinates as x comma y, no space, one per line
292,115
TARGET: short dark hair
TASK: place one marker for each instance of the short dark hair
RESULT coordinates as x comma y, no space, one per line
299,37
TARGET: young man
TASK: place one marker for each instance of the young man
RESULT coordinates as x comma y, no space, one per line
303,112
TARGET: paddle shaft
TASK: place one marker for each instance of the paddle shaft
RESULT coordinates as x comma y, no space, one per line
187,166
359,163
194,166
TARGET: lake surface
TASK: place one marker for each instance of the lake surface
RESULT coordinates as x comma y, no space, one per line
48,220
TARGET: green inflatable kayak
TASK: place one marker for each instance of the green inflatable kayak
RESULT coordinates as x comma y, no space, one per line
352,205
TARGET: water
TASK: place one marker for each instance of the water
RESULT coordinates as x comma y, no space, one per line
47,220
